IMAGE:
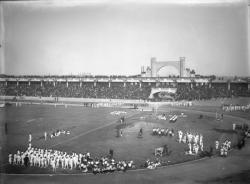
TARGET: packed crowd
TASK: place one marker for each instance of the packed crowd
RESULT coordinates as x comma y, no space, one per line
48,158
205,92
86,90
120,90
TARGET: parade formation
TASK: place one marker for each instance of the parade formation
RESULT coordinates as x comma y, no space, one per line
231,108
55,159
60,160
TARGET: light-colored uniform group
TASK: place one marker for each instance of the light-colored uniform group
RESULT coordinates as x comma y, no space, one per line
193,140
48,158
44,158
183,104
18,158
231,108
223,148
118,112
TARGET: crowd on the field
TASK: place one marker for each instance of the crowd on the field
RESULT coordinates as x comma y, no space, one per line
55,159
231,108
120,90
193,140
223,148
152,164
118,113
163,132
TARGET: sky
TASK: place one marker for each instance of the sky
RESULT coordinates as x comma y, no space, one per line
117,38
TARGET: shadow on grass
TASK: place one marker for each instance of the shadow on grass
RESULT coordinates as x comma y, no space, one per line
239,178
225,131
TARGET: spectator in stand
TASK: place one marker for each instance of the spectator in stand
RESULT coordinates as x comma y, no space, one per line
117,90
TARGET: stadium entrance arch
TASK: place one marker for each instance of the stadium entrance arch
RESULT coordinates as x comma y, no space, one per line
156,66
168,71
166,94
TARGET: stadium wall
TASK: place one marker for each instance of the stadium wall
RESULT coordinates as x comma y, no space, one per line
98,102
63,99
125,103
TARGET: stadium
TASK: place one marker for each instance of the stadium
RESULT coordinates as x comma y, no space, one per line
110,124
119,118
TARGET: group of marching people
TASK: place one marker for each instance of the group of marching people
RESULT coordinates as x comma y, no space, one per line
163,132
118,112
231,108
48,158
193,140
223,148
182,103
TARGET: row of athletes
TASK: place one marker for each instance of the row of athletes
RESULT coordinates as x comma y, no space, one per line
193,140
189,137
181,103
223,148
48,158
194,148
231,108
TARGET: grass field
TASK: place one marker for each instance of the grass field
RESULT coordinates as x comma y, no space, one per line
94,130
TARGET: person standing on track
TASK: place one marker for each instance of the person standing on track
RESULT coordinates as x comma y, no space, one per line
53,164
217,145
30,138
26,160
45,135
10,158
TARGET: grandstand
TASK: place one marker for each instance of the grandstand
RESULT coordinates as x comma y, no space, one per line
122,87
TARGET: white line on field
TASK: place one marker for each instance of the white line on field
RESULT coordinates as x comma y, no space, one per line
85,133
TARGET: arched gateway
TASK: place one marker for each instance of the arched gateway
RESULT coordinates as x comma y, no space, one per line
156,66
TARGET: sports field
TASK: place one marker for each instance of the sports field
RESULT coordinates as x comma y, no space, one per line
94,130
